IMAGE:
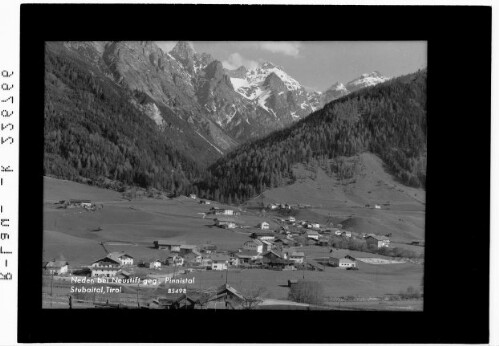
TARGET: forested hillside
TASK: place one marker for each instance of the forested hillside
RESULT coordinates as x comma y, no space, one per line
388,119
93,131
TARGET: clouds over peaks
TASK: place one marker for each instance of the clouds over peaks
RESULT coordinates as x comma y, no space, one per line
236,60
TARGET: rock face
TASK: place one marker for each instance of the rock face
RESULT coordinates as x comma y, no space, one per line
192,91
273,90
336,91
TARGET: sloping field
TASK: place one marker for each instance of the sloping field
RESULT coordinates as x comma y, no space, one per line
57,189
402,210
369,281
77,233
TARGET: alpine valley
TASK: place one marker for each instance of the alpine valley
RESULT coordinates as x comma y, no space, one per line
129,114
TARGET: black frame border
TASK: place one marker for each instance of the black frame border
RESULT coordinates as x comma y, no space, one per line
456,306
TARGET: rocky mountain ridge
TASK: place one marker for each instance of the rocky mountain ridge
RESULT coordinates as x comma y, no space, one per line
221,107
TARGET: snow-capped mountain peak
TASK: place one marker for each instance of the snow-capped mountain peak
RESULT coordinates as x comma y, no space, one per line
366,80
250,83
274,90
337,86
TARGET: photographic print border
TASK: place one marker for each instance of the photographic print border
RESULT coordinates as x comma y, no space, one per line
456,299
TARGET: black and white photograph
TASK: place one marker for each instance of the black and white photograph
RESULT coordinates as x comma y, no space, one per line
262,173
234,175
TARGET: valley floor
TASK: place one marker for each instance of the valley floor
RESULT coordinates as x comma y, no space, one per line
81,237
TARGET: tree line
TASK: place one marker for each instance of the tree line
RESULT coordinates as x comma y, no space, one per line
93,132
388,119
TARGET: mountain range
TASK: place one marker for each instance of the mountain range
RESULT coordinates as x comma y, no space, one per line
181,100
388,120
223,107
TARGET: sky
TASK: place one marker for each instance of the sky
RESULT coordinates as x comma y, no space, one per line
319,64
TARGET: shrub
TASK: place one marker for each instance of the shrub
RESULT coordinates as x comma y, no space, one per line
309,292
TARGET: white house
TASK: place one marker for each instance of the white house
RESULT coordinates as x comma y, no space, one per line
269,235
378,241
342,262
291,219
219,262
123,258
167,244
247,256
104,271
106,266
347,234
313,235
225,222
264,225
253,245
156,264
297,257
315,225
107,262
56,267
218,211
175,260
193,257
266,238
272,206
267,245
377,206
193,196
206,262
187,248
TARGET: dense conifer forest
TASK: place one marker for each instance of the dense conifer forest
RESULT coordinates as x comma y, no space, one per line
388,119
94,133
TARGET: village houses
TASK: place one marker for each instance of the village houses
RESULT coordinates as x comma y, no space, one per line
208,248
56,267
156,264
219,211
264,225
123,258
313,235
174,260
167,244
186,249
378,241
219,262
342,262
270,236
267,245
206,262
193,258
253,245
272,206
225,222
106,266
297,257
247,256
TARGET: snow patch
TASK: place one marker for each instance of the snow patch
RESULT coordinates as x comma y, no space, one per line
239,83
262,99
